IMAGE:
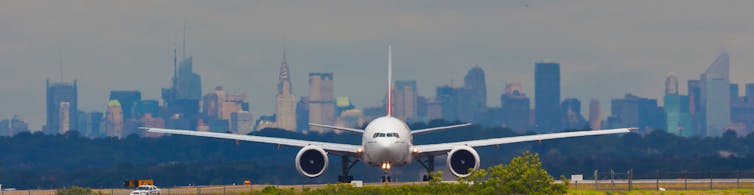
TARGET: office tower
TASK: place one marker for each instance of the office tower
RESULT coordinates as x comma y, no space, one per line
127,100
595,115
343,104
302,114
434,109
677,114
422,104
733,92
114,120
58,95
233,102
475,82
445,97
285,101
65,117
352,118
515,108
95,121
635,111
547,97
13,126
242,122
715,96
405,100
321,100
146,106
571,113
749,91
211,103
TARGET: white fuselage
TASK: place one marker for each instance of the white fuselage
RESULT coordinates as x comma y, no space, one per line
387,140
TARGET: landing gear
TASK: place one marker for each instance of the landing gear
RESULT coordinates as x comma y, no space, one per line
428,164
346,164
386,179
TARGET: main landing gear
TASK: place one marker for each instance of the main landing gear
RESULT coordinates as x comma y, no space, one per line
428,164
346,165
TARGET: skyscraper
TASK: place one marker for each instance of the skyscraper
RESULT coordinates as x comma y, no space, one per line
547,97
515,108
677,115
114,119
475,82
405,100
321,100
285,101
715,96
127,100
61,96
571,113
595,115
445,97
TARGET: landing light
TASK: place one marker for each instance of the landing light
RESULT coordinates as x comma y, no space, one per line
415,150
359,150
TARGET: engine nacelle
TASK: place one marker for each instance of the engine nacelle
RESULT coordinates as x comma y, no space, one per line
461,159
311,161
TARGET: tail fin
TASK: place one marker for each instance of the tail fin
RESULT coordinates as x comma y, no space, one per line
389,81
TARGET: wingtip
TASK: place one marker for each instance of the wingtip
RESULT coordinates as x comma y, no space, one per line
632,129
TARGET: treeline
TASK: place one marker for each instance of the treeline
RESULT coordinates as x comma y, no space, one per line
50,161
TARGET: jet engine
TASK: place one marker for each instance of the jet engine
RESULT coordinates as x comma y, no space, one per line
461,159
311,161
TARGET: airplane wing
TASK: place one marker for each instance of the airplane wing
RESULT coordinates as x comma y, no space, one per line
335,148
420,131
352,130
443,148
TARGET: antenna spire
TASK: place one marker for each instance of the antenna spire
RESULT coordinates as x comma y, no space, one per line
389,80
60,63
184,40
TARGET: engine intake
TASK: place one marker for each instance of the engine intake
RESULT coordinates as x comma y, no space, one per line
461,159
311,161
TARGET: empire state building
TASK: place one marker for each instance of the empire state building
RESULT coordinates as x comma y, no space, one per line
285,101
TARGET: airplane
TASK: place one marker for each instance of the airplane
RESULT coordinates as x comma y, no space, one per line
387,143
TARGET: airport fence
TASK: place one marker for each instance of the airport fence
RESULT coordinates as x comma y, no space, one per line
626,180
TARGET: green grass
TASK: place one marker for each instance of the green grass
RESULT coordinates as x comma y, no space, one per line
673,192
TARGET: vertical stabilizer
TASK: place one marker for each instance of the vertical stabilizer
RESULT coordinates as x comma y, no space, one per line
389,81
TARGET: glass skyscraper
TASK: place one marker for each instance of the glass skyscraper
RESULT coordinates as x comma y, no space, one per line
547,97
715,96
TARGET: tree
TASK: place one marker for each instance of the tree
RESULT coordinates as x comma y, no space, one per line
523,175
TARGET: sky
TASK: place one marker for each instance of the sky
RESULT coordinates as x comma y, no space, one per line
606,48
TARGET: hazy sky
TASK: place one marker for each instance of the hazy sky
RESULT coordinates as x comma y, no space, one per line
606,48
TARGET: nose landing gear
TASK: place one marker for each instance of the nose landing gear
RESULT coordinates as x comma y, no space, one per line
386,171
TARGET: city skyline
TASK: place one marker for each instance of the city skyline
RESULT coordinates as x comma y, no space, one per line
110,52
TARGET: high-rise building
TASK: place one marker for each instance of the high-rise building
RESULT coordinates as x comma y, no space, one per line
515,108
114,120
635,111
212,104
749,91
571,113
715,96
242,122
679,119
285,101
405,100
445,97
127,100
302,114
321,100
475,82
12,126
95,120
733,92
58,95
595,115
146,106
547,97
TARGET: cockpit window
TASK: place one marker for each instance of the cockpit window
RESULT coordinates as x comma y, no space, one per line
385,135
